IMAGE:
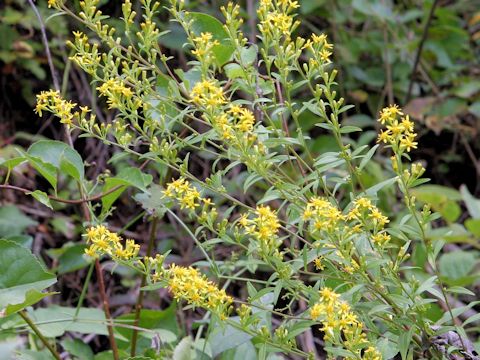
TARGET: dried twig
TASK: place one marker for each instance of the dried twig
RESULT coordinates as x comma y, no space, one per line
419,50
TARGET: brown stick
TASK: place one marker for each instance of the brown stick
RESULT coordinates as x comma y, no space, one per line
43,30
65,201
139,305
419,50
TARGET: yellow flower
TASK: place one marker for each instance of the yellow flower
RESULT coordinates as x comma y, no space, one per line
341,327
206,93
187,196
189,285
104,242
264,227
318,263
322,214
400,130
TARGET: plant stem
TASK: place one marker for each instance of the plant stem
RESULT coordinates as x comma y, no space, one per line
84,289
37,332
419,50
106,309
138,306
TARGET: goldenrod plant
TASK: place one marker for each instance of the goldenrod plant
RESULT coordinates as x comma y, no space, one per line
314,262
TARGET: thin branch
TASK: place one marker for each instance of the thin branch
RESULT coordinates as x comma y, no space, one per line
139,305
65,201
43,30
419,50
106,309
37,332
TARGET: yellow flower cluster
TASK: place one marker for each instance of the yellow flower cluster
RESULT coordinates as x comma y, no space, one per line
341,326
321,49
399,131
115,90
189,285
264,227
235,124
322,214
85,54
364,212
206,93
276,19
244,118
184,193
104,242
52,101
203,47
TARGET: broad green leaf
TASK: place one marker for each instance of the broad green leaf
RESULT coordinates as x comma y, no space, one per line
204,23
161,323
72,259
234,71
13,221
457,264
22,276
441,198
55,320
48,171
227,337
78,349
246,351
59,155
34,355
387,347
31,297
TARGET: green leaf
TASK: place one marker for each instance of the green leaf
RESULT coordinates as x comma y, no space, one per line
153,200
78,349
13,221
48,171
163,322
55,320
72,259
34,355
441,198
41,197
227,337
128,176
473,225
183,351
246,351
11,163
31,298
22,277
456,264
234,71
472,204
59,155
203,23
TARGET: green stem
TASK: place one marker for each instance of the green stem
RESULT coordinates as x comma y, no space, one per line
84,289
37,332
